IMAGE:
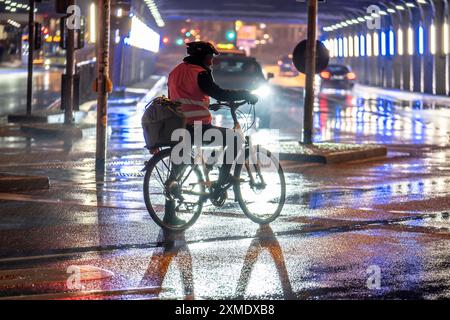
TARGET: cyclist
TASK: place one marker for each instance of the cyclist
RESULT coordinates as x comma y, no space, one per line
191,83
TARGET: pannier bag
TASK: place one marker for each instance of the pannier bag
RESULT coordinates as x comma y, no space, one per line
160,120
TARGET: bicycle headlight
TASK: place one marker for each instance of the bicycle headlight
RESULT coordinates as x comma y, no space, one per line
263,91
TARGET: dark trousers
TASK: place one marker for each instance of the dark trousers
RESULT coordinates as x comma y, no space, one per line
226,167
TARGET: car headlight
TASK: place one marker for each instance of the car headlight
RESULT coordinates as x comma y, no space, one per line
263,91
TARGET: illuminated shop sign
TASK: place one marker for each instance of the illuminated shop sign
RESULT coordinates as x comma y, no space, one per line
143,37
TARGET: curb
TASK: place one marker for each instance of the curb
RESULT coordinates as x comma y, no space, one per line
45,117
151,94
10,183
336,157
54,130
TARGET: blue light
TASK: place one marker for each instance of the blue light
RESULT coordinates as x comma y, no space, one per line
383,43
362,44
341,48
230,35
391,42
421,41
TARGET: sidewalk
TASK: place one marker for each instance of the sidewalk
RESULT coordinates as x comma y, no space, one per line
329,153
394,94
50,122
12,64
287,147
133,94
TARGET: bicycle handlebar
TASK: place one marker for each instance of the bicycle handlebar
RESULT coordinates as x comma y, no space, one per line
233,107
229,104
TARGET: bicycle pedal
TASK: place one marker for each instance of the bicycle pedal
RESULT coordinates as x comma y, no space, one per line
219,200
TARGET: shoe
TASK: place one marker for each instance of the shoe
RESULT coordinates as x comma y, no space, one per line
219,189
230,179
173,220
222,185
170,216
174,189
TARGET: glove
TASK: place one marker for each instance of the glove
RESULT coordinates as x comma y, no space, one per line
215,107
252,99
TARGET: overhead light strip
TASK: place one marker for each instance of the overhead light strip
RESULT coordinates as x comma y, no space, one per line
155,13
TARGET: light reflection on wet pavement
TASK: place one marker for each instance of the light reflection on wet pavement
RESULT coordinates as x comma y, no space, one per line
339,220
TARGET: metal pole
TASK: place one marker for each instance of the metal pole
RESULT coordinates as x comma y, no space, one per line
70,71
311,49
30,57
103,40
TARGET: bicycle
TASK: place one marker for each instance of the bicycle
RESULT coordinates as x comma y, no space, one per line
261,193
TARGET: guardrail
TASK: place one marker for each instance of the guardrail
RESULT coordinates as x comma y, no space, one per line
87,71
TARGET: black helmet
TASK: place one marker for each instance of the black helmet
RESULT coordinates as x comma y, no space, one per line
200,48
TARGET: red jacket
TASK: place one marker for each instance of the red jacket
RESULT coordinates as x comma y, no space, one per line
183,87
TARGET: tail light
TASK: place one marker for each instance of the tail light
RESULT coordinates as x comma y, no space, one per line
325,75
351,76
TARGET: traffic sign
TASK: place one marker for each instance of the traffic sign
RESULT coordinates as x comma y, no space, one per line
322,57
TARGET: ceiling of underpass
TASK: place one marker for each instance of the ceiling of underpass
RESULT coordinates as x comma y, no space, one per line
21,6
288,11
281,11
260,10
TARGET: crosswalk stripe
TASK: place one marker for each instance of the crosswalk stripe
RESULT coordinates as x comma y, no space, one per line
34,276
154,291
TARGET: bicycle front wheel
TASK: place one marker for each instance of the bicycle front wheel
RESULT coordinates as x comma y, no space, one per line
261,192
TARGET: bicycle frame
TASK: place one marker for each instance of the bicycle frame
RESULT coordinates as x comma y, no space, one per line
205,166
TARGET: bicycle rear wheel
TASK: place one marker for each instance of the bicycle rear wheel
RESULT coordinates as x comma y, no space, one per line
261,192
175,212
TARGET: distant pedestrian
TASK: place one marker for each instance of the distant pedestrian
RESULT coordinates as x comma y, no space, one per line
12,49
2,50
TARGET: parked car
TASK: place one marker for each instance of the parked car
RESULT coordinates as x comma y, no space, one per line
337,76
232,52
287,67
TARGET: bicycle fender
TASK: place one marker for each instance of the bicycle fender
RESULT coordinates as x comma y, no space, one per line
146,165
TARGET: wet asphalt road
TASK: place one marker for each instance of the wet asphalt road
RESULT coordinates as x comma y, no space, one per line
342,226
